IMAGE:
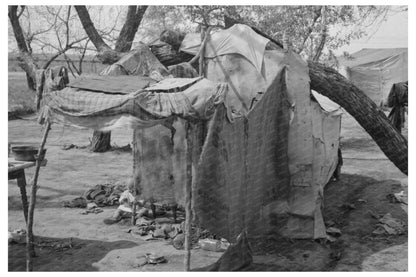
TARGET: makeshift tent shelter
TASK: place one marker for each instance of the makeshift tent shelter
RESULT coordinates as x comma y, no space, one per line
277,155
264,146
374,71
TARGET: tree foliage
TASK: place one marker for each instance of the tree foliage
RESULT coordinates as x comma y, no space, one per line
51,31
313,31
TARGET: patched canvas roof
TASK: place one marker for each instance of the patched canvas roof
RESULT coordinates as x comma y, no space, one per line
143,108
238,39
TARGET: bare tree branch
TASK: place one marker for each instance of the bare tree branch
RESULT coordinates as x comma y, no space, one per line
68,15
22,9
81,59
68,63
324,33
310,30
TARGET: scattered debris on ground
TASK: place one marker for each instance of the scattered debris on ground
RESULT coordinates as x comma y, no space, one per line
147,229
335,232
17,236
56,245
69,146
79,202
388,225
101,195
398,197
125,148
114,147
92,208
155,259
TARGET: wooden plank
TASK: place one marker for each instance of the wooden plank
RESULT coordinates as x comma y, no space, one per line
18,165
112,84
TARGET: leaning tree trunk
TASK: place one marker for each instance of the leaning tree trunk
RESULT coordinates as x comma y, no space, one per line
26,61
101,140
330,83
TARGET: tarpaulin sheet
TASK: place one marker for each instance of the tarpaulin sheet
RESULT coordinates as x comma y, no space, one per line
101,111
161,160
374,71
170,84
182,70
370,56
245,84
112,84
159,152
238,39
312,144
325,103
160,163
244,166
139,62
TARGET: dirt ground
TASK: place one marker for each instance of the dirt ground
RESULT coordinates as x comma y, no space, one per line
351,205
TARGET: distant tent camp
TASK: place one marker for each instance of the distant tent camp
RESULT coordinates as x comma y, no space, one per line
374,71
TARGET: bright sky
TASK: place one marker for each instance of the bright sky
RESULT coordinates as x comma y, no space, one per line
392,33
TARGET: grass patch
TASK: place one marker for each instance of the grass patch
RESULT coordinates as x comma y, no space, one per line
21,100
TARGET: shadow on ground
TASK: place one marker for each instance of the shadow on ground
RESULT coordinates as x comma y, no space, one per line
350,205
56,255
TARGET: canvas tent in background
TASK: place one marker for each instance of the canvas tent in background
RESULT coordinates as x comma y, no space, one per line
374,71
265,145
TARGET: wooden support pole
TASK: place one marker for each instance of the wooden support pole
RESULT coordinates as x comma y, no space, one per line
133,217
188,196
21,182
204,38
30,250
201,51
137,167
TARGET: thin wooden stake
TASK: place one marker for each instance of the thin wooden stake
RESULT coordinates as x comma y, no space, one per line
188,196
204,38
133,217
136,172
30,250
201,50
